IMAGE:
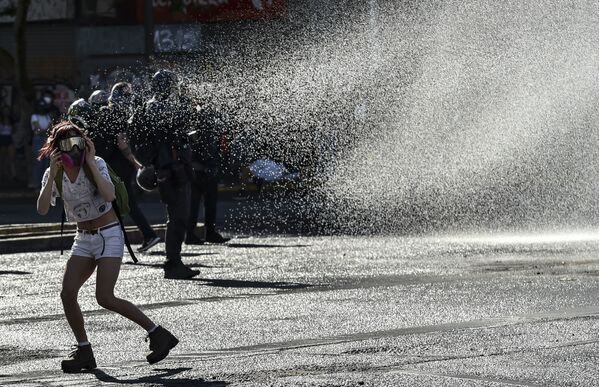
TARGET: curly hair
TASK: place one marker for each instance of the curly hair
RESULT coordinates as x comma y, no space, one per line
60,131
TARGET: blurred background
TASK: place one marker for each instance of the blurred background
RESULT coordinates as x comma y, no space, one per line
72,48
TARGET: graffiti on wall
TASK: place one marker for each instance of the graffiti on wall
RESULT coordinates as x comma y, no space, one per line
42,10
177,37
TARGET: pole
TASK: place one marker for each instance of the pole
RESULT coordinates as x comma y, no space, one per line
23,83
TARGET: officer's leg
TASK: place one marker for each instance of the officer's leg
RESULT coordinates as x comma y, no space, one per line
210,203
194,207
177,213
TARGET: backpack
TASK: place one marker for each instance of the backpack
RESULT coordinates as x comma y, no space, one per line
120,203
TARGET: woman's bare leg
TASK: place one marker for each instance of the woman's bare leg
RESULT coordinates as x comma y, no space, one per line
76,273
108,272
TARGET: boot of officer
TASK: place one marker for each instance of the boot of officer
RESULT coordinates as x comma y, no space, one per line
159,136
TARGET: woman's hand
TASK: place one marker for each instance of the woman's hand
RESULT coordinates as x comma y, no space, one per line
55,163
90,154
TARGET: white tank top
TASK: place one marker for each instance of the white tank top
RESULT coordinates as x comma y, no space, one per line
82,201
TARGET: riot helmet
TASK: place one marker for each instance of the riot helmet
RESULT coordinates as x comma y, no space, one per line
80,113
98,98
164,83
146,178
121,94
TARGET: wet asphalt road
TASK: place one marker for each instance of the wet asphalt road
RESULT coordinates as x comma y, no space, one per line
496,310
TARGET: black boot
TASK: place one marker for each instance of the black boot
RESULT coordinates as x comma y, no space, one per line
149,243
192,239
177,270
81,358
161,342
212,236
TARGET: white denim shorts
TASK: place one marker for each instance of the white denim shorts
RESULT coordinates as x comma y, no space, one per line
108,241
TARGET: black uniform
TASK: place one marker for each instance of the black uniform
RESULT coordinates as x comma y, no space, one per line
158,133
113,121
206,163
105,136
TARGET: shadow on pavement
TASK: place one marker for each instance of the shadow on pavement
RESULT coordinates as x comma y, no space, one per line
258,246
250,284
154,265
15,272
163,253
159,379
161,265
10,355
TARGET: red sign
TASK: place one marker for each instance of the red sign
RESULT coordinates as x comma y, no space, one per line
185,11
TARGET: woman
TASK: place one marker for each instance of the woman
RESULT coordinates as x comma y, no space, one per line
98,242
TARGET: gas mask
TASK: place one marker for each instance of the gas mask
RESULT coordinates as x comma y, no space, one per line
72,151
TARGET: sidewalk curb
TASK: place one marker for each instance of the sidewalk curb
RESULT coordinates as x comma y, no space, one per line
32,194
40,238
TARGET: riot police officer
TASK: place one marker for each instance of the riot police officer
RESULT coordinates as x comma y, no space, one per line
115,118
206,161
81,114
98,99
158,132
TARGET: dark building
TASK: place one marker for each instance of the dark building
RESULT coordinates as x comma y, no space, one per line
75,46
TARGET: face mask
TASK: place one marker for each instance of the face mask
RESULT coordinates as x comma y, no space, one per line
73,151
47,100
74,158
